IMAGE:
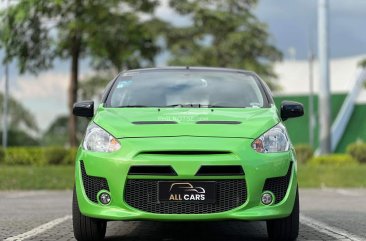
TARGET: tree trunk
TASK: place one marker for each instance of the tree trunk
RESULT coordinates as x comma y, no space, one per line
73,88
75,49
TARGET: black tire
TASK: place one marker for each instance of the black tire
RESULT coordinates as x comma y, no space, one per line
85,228
286,229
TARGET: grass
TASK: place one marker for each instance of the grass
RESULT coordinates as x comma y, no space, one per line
36,177
62,177
332,176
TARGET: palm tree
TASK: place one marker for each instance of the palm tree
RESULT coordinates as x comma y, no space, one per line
21,122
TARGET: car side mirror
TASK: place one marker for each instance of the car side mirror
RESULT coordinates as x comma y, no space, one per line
83,109
291,109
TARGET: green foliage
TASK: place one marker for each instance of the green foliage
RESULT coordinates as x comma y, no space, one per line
56,134
111,33
334,160
62,177
22,125
69,159
222,34
19,116
20,138
358,151
362,63
2,155
55,155
38,156
131,45
35,32
304,153
92,86
24,156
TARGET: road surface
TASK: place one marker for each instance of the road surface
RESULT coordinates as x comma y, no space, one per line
326,214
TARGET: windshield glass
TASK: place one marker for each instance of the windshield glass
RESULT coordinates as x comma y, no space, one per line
186,88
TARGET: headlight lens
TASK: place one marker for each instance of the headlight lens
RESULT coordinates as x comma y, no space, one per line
98,140
274,140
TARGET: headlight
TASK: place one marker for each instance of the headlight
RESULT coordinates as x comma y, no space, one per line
98,140
274,140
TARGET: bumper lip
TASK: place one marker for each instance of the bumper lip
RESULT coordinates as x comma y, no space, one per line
243,212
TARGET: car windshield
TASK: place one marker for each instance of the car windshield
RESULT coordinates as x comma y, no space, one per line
186,88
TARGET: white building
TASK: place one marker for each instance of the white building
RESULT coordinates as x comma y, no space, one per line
293,76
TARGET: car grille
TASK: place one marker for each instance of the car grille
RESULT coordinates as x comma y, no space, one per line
143,195
278,185
93,185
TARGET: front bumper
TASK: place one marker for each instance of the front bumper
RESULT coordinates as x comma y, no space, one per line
114,168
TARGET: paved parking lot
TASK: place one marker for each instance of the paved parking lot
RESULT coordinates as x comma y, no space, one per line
328,214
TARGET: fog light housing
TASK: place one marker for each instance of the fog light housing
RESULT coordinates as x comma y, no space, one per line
104,198
267,198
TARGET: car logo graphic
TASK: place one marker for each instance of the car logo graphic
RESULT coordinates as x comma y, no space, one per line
186,186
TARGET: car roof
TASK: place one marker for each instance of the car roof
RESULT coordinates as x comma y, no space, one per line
190,68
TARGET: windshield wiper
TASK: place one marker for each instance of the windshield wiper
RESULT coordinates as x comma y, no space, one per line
199,106
174,105
178,105
133,106
184,105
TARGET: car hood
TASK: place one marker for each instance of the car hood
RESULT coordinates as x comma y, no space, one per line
169,122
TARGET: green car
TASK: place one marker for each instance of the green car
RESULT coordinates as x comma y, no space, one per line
186,144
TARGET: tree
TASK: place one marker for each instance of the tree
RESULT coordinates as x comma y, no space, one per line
121,53
22,125
222,34
19,117
36,32
56,134
362,64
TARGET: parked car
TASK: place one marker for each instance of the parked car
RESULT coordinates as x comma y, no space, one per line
181,144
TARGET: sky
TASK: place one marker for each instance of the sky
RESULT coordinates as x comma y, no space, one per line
291,23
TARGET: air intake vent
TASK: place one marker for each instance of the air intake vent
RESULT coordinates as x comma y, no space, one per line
152,170
154,122
184,152
92,185
143,195
278,185
220,171
218,122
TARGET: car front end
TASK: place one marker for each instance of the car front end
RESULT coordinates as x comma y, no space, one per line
186,162
132,175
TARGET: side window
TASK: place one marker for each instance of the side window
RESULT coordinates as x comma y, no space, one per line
268,91
107,90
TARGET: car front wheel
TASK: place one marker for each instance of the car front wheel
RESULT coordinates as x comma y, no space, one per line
286,229
86,228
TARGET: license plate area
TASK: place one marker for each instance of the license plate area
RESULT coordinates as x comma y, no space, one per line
187,191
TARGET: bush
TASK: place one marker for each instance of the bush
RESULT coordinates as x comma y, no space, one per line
333,159
69,159
38,156
55,155
24,156
304,153
357,151
2,155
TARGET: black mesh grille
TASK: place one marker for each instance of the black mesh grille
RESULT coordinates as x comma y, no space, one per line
143,195
93,185
278,185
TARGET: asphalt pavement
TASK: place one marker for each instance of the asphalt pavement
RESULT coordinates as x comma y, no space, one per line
326,214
